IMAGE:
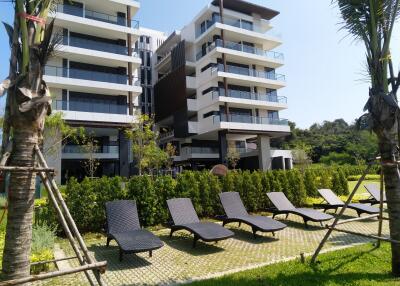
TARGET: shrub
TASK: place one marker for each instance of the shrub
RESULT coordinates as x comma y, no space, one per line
188,187
337,158
228,183
343,182
43,238
310,183
296,187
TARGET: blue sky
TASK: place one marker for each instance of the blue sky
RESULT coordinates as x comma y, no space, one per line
325,69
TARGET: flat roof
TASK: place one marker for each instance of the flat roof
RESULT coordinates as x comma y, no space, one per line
247,8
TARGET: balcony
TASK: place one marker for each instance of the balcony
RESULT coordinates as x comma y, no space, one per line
87,75
238,118
268,97
98,46
94,15
242,48
250,72
81,149
91,106
238,23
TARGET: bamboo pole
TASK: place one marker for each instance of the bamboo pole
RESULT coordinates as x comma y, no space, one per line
32,169
98,265
65,225
53,260
357,219
331,228
379,238
68,216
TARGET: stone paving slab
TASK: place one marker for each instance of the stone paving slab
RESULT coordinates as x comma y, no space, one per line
177,262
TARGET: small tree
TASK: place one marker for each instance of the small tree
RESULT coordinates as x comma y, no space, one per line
301,156
170,150
91,164
145,149
232,157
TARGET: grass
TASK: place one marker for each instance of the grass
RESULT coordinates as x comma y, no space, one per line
359,266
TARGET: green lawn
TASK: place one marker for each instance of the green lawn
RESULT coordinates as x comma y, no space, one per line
361,266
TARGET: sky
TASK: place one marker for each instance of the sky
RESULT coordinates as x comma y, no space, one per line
324,67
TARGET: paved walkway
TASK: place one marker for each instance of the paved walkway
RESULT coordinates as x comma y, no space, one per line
177,262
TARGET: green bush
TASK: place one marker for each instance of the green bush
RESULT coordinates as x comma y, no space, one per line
296,187
43,238
310,183
343,182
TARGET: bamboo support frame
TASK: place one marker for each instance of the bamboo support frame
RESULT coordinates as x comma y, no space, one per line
336,222
54,260
32,169
98,265
69,220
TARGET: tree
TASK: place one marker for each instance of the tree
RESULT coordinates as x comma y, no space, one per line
372,22
232,157
28,101
300,155
90,147
170,150
145,149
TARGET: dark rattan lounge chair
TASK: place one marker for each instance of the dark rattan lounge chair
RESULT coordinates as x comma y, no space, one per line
184,217
236,212
334,202
284,206
375,192
124,227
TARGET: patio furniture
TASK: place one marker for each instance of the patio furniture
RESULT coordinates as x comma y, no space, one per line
375,195
236,212
184,217
124,227
284,206
334,202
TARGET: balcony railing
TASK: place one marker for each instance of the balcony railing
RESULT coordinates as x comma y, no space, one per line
88,75
98,46
238,23
81,149
241,48
200,150
269,97
239,118
94,15
90,106
249,72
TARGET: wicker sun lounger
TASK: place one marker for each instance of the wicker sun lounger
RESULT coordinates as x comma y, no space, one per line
375,192
334,202
124,227
236,212
284,206
184,217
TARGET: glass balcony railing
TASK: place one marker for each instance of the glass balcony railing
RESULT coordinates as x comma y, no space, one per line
90,106
98,46
240,118
94,15
200,150
88,75
250,72
81,149
242,48
238,23
269,97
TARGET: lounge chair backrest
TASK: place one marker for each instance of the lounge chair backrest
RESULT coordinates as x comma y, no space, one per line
232,204
182,211
122,216
374,190
330,197
280,201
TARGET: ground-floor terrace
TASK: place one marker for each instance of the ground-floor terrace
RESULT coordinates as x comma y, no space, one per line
177,262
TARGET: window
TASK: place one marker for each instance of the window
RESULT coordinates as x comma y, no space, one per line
148,76
142,76
149,95
141,39
148,59
147,40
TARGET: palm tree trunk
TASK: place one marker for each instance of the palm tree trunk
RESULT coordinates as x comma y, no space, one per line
16,255
392,185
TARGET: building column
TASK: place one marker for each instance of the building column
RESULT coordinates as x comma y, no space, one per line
123,154
223,146
264,152
130,72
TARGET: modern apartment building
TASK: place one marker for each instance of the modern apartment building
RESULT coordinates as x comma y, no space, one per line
94,82
217,88
149,41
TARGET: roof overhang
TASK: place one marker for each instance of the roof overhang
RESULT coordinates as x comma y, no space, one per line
247,8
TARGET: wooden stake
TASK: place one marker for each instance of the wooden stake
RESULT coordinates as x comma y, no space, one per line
378,243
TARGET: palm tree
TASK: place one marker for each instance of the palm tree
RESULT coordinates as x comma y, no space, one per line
28,102
372,22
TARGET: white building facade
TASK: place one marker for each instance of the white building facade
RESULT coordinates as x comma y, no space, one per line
217,88
95,83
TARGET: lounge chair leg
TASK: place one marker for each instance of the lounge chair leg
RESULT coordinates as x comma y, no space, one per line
287,216
240,223
121,253
305,223
254,232
273,233
108,241
170,234
195,239
273,216
151,253
321,223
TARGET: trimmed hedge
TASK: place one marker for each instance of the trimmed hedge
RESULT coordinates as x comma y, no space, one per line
86,199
